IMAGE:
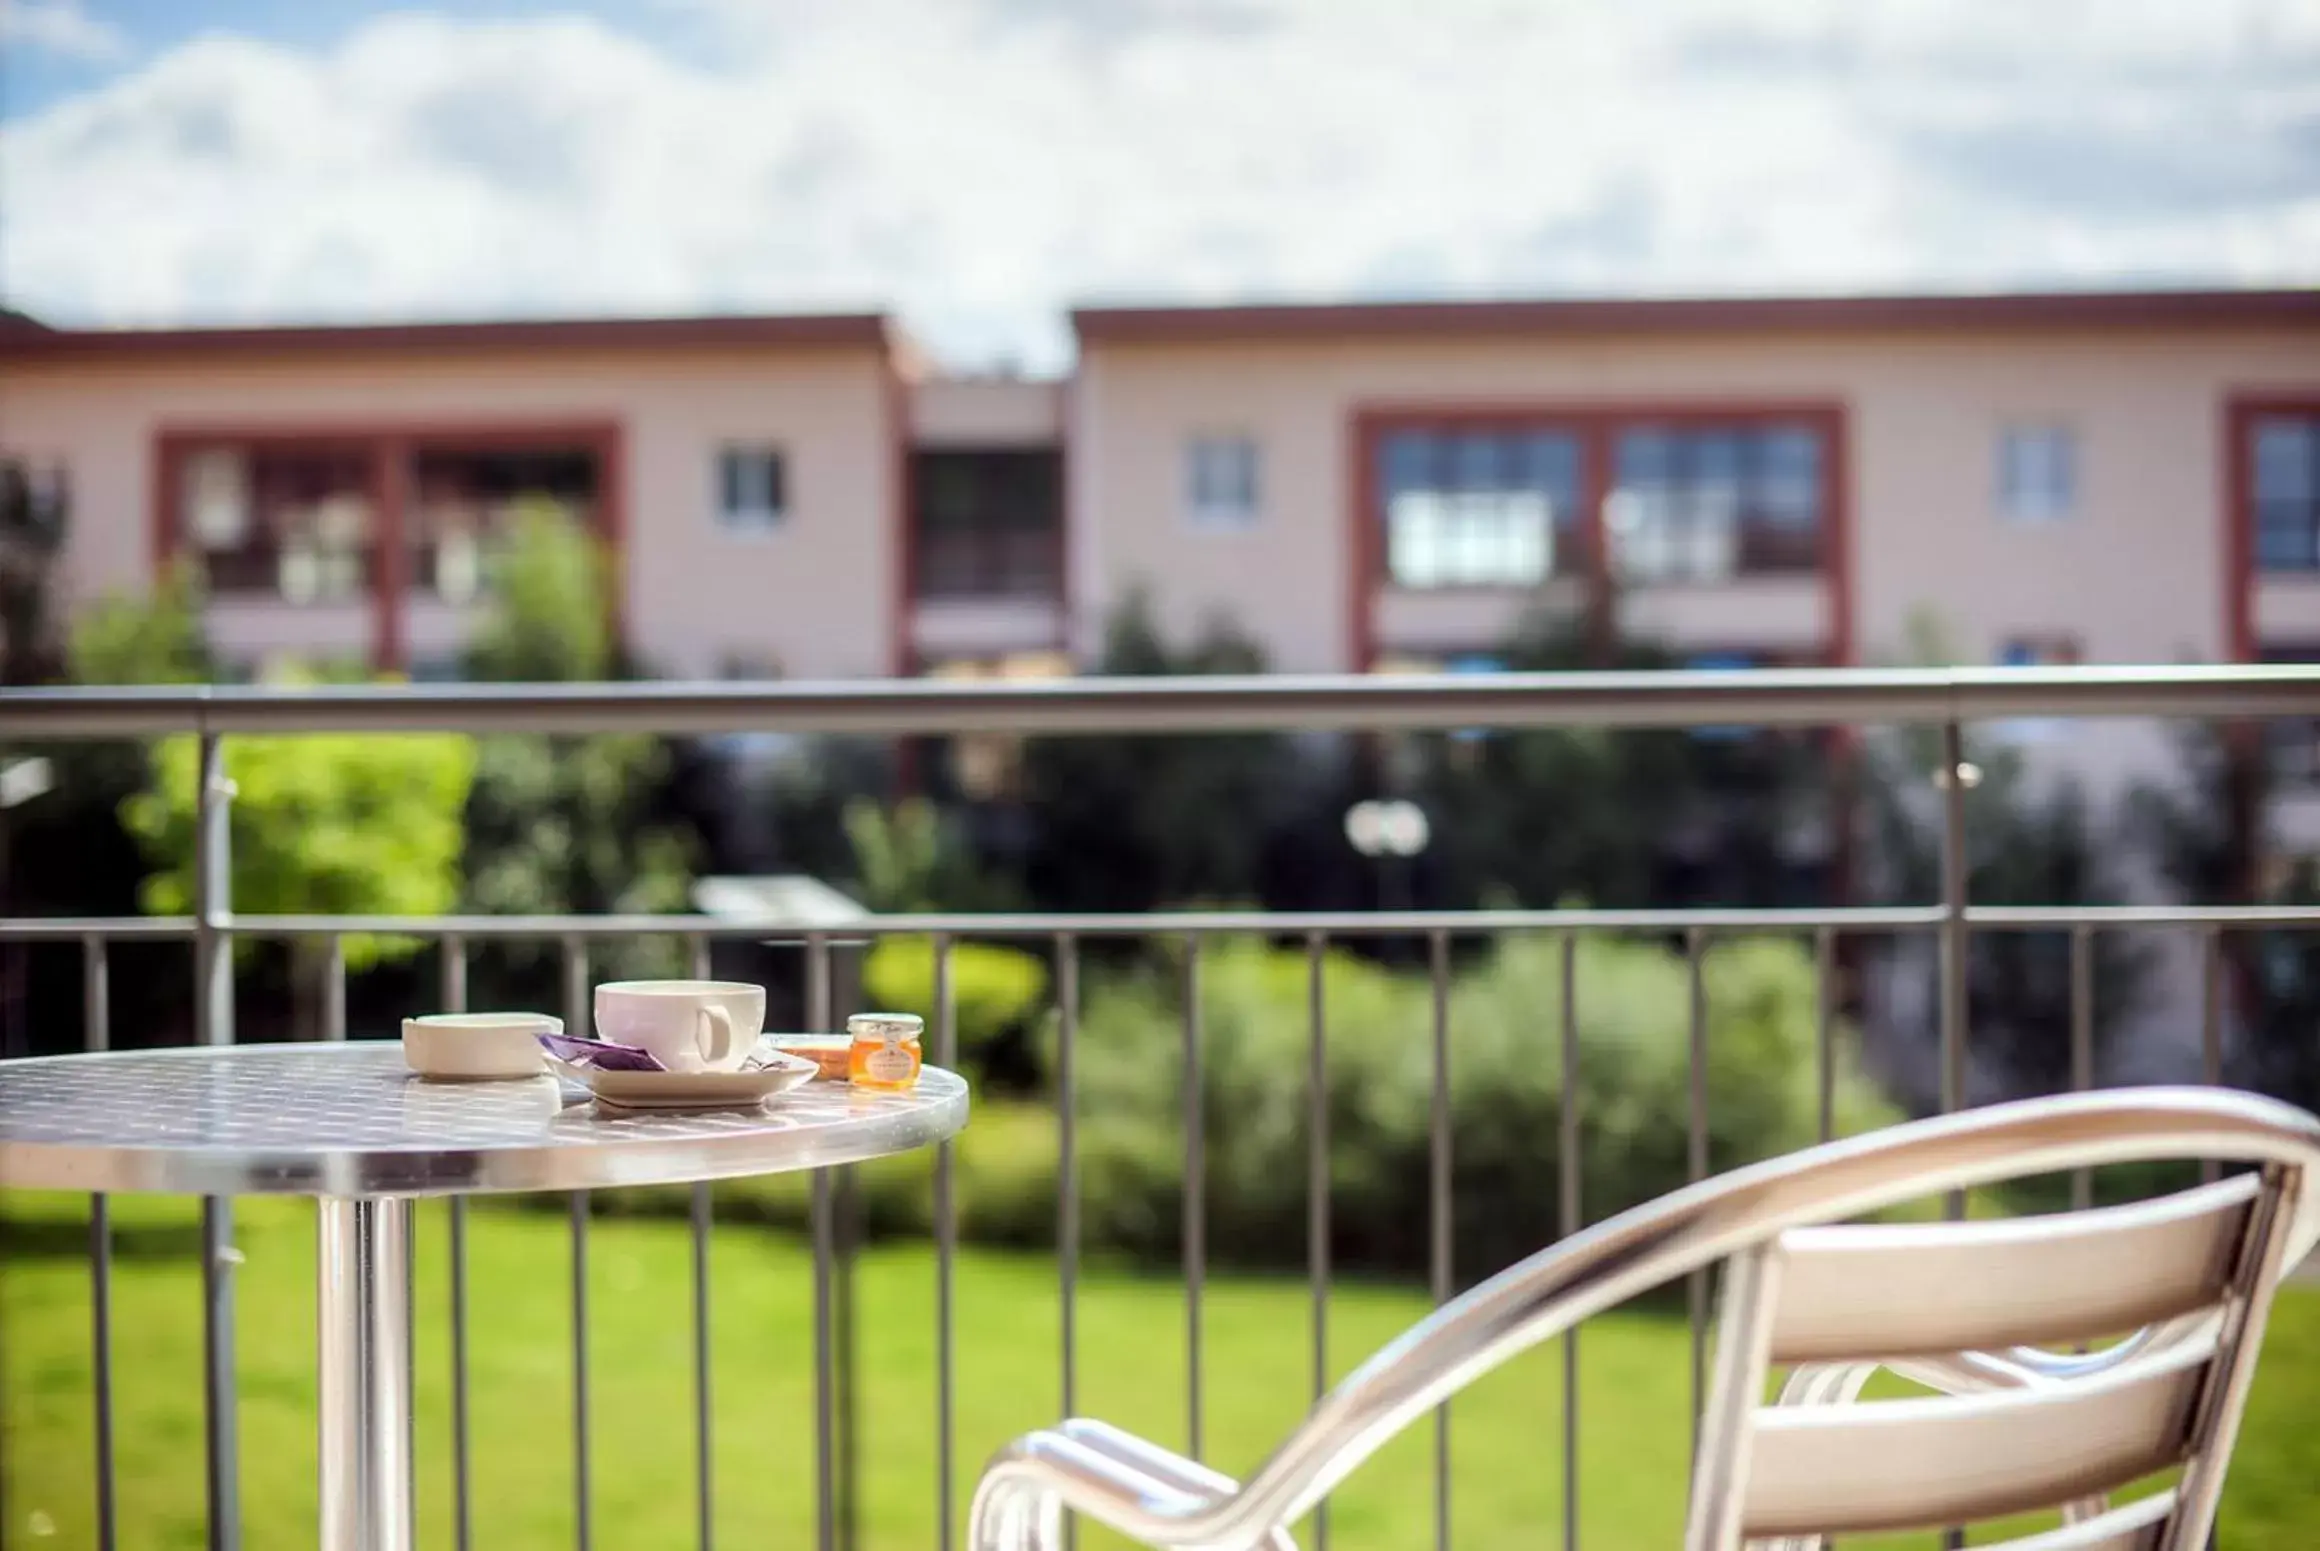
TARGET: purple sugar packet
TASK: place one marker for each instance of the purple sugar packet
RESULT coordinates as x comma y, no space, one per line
600,1053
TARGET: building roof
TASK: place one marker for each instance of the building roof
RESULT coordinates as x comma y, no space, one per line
1683,315
30,340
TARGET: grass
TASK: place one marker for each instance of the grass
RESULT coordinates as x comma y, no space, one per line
1505,1437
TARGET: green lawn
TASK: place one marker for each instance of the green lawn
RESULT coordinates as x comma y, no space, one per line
1506,1441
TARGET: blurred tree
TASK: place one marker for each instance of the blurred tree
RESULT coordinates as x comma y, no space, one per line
1622,818
1132,823
157,640
910,859
325,824
67,852
2207,831
562,825
2032,838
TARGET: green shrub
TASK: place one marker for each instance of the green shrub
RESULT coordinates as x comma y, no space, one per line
1506,1093
995,992
1505,1089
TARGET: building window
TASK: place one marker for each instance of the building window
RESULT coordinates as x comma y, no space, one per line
1479,508
468,501
292,523
2285,487
1220,481
988,524
1702,504
752,489
2037,473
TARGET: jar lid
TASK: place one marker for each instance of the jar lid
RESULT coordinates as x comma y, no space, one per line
901,1025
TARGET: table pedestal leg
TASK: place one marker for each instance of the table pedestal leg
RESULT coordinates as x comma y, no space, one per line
363,1274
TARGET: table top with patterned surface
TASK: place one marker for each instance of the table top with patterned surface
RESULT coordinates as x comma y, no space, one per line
351,1120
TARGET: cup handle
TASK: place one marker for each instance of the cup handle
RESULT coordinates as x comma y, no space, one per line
715,1037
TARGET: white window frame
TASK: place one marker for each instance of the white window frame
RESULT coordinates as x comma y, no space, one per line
742,520
1223,481
2037,474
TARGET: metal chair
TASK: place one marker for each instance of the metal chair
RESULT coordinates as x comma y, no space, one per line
1962,1307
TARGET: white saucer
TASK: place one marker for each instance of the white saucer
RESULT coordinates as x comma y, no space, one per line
692,1090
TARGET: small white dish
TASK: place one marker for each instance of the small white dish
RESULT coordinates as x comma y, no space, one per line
478,1046
753,1085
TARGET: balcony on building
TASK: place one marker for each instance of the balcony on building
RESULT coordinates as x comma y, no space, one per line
986,570
364,546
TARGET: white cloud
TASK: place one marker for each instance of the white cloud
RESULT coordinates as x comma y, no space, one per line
61,27
980,163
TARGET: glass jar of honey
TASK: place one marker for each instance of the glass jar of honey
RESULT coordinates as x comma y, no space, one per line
886,1053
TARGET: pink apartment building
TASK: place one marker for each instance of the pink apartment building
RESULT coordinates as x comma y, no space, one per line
2100,477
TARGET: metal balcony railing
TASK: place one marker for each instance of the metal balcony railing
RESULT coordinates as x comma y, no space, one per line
1943,699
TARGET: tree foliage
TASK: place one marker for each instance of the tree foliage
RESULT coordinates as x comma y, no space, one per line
1622,818
2032,838
1131,823
562,825
2206,829
910,859
322,824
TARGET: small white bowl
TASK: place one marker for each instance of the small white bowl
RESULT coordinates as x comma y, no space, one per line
478,1046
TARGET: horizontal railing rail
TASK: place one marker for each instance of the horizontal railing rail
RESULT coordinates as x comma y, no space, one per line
1865,920
1944,698
1272,703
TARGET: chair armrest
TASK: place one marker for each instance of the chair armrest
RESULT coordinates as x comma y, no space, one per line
1103,1472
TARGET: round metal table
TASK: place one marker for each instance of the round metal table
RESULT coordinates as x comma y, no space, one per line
349,1125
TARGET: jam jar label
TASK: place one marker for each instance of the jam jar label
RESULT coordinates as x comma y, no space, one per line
888,1063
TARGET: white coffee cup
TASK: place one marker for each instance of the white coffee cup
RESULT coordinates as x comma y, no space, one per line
690,1025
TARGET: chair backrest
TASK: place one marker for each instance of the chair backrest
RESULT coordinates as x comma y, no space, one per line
2201,1264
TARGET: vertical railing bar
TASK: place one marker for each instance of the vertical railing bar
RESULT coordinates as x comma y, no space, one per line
818,1006
454,998
335,1030
1696,1163
2081,1043
576,1016
1067,1176
946,1243
704,1412
97,1034
334,990
214,1025
1956,882
1439,1207
1317,1184
1567,1224
1825,1041
2211,1010
1954,943
845,1391
1195,1193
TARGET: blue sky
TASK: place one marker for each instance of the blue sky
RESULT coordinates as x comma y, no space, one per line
978,165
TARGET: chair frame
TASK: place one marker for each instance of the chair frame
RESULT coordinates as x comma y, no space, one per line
1163,1500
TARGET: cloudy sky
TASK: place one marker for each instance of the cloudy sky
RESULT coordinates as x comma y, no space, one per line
979,165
